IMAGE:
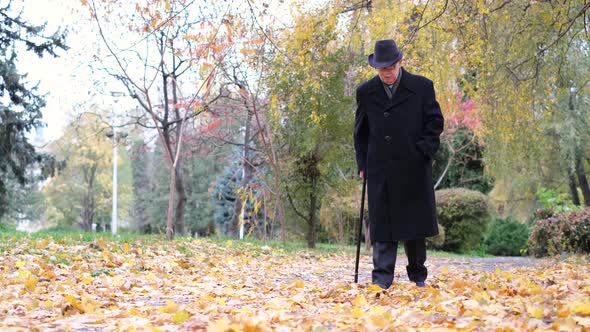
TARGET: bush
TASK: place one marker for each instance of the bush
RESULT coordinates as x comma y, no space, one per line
339,214
464,215
7,228
436,242
564,232
506,237
553,202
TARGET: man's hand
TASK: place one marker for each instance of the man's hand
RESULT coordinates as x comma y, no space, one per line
362,175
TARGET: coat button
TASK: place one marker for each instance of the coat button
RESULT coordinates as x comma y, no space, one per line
387,138
386,114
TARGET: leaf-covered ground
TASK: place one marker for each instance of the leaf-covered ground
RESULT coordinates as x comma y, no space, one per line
199,285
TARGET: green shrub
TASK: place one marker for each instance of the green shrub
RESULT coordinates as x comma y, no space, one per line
7,228
553,202
464,215
436,242
564,232
506,237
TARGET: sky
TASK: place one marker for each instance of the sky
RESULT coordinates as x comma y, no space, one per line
56,76
69,81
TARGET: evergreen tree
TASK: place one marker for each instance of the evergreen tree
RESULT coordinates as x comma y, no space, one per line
200,173
224,195
20,105
225,192
141,162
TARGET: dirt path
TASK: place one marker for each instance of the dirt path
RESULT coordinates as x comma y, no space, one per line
331,270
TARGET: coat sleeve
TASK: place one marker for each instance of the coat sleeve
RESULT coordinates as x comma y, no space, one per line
361,134
432,123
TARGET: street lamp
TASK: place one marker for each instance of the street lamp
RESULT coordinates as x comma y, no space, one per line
113,136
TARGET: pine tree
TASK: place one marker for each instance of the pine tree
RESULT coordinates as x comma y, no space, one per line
20,104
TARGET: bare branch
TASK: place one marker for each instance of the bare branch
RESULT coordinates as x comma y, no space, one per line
436,17
293,204
581,12
368,4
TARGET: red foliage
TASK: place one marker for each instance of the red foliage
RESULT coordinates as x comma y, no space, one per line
211,126
463,114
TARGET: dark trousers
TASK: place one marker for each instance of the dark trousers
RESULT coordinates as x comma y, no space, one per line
384,255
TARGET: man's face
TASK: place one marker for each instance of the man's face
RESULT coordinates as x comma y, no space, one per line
389,75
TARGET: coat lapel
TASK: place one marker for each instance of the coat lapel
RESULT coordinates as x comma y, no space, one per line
378,94
403,92
380,97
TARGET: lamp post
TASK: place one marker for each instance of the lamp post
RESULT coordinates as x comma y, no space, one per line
113,135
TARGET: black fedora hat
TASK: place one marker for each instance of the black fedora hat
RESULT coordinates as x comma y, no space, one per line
386,54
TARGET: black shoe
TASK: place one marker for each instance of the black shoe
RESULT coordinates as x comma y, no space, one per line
381,286
420,284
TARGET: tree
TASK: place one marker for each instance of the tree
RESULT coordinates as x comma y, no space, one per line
568,126
143,187
26,203
80,194
186,38
309,109
506,56
20,105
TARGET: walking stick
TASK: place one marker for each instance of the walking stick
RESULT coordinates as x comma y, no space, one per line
358,243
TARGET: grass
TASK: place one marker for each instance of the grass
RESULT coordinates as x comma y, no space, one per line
70,236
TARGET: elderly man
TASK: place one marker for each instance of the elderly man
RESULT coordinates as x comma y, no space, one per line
396,134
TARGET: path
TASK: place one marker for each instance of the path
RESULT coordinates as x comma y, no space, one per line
331,270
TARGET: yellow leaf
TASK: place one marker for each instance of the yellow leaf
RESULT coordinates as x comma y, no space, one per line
134,312
222,325
536,311
359,301
89,305
75,303
298,284
101,244
126,248
582,309
48,304
87,280
20,264
444,269
374,289
31,283
357,312
42,244
169,308
117,281
180,317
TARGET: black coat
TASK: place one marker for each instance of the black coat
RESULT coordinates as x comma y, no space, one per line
395,140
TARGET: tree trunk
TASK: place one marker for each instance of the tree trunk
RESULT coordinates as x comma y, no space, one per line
312,221
573,188
170,213
181,203
340,225
583,180
88,201
86,222
247,171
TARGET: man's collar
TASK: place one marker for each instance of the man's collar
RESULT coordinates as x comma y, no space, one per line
404,81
